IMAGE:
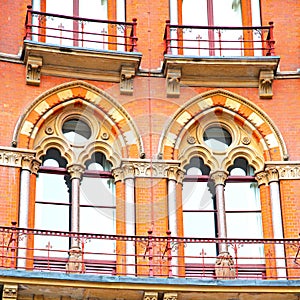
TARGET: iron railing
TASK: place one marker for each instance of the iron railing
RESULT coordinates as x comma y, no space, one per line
219,41
70,31
158,256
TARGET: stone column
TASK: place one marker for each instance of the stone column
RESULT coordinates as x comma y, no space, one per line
224,264
129,173
175,175
75,264
29,165
277,221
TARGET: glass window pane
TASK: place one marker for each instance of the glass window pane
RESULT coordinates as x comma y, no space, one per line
200,225
242,196
51,188
196,196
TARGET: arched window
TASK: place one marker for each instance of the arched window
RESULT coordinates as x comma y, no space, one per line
201,217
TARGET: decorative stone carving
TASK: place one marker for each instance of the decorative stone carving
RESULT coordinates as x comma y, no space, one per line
76,171
12,157
272,174
265,84
150,296
126,80
75,263
33,70
170,296
261,178
219,177
118,174
173,82
224,266
10,291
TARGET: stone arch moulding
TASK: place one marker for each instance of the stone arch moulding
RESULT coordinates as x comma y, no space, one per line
243,111
56,98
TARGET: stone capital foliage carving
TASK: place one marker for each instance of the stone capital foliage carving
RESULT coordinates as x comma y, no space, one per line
170,296
76,171
261,178
272,173
10,291
219,177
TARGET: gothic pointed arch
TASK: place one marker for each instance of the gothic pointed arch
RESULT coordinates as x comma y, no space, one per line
117,131
254,134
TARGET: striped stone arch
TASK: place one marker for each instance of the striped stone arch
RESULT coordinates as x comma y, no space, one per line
241,111
79,93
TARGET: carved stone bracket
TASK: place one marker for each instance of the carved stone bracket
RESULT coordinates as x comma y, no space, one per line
10,291
265,84
170,296
126,80
33,70
173,82
75,263
224,266
150,296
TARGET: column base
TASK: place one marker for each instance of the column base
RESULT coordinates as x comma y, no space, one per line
75,263
224,266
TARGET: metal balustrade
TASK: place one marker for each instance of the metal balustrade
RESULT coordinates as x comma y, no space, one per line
219,41
155,256
70,31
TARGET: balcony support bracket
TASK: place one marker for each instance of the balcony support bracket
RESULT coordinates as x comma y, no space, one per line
10,292
126,80
173,82
33,70
265,84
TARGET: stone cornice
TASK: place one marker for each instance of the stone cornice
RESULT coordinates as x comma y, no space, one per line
18,158
149,169
285,170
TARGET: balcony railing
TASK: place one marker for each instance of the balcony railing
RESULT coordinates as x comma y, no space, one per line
163,256
69,31
219,41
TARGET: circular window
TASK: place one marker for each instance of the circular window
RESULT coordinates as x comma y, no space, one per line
76,131
217,138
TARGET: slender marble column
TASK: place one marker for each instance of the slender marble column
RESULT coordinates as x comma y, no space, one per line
277,221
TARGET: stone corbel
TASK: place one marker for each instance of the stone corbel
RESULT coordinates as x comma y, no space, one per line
150,296
173,82
170,296
126,80
10,292
265,84
33,70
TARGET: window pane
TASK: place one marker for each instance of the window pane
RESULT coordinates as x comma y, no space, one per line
242,196
200,225
51,188
196,196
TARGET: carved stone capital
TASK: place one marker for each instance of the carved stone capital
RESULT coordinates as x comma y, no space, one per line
262,178
20,158
33,70
35,166
126,80
265,84
173,82
27,162
118,174
272,174
10,291
175,173
290,170
219,177
150,296
76,171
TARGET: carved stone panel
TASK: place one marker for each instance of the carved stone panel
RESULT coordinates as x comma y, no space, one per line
33,70
265,84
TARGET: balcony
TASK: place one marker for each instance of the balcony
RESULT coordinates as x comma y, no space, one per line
69,46
220,56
